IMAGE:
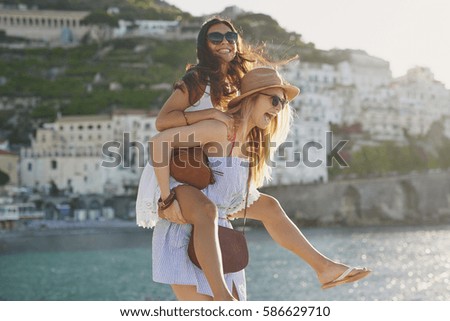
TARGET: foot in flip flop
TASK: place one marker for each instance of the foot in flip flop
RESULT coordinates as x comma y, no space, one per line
347,277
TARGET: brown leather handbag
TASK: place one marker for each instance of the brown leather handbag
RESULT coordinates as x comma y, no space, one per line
191,166
233,245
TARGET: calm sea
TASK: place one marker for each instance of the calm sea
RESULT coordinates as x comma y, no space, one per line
409,263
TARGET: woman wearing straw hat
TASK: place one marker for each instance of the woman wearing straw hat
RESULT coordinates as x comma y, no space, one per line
261,114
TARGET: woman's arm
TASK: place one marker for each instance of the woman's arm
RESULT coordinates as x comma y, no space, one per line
162,144
172,113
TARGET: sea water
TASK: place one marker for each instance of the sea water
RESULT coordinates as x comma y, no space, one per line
408,263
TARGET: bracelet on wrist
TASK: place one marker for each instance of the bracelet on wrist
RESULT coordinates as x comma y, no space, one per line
164,204
185,118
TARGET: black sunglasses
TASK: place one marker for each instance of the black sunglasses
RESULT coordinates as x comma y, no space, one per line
217,37
276,100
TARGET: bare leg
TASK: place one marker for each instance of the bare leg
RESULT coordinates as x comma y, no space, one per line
283,231
189,293
199,211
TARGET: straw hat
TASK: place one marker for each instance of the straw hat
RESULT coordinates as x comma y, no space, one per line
260,79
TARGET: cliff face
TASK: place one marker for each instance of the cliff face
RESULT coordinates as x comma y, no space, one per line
409,199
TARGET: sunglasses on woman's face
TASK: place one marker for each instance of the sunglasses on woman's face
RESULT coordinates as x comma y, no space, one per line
276,100
217,37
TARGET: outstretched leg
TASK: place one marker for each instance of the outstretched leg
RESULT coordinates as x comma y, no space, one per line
199,211
283,231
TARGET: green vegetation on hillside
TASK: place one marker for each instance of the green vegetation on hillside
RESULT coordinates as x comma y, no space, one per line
66,74
101,18
263,29
76,81
419,154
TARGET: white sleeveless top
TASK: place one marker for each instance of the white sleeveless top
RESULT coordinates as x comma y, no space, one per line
204,102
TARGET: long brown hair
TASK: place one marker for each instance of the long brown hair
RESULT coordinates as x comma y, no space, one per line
224,85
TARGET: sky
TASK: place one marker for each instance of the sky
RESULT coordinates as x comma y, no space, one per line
406,33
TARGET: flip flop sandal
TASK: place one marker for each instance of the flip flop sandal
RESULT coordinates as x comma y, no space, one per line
346,278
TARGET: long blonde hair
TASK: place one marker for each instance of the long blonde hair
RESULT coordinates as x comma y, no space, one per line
261,144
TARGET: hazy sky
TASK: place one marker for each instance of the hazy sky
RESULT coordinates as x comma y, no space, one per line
406,33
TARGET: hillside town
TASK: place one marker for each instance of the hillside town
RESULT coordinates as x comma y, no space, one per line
88,166
66,28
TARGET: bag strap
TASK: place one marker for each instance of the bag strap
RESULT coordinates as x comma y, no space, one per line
248,184
246,200
232,144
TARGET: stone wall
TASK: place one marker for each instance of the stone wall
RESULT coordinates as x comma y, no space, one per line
409,199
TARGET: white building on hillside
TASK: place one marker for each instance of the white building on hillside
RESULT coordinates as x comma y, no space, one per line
447,126
310,77
148,28
379,116
409,104
360,89
88,154
302,158
421,100
52,26
363,71
67,152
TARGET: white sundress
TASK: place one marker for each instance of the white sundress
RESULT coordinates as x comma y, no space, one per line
170,262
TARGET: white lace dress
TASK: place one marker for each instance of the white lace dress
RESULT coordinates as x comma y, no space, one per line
170,262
